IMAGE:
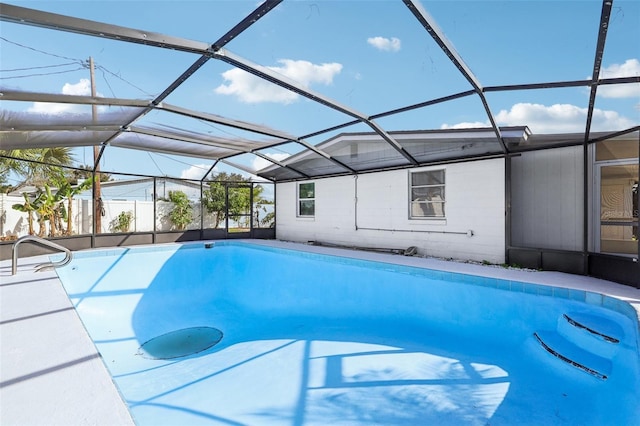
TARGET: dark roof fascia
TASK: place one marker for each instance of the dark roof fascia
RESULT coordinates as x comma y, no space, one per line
546,141
346,135
427,131
402,167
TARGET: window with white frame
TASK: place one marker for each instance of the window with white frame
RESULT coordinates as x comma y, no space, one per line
427,198
306,199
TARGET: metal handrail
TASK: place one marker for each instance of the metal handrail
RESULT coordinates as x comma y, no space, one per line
42,242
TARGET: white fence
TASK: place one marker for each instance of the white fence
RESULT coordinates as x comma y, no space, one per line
14,224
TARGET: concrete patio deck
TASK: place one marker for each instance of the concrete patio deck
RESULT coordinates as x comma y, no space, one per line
50,371
52,374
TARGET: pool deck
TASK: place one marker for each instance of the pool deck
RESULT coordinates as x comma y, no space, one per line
52,374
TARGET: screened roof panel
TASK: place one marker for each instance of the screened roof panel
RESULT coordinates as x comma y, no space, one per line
281,173
150,163
535,41
390,46
315,165
623,32
546,111
616,107
213,124
242,82
328,134
364,152
140,141
222,89
121,70
51,138
546,141
189,126
182,135
52,115
464,111
428,149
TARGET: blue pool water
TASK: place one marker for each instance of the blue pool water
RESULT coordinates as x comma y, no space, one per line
242,334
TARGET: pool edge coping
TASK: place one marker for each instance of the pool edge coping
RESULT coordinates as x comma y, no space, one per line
625,294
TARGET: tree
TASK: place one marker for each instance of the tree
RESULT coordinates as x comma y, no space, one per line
215,202
182,213
12,164
67,192
48,210
29,207
86,172
35,166
214,198
122,222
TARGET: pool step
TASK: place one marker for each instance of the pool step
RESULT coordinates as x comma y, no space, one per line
599,326
593,333
563,349
585,340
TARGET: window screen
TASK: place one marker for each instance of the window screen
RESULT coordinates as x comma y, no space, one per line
427,194
306,199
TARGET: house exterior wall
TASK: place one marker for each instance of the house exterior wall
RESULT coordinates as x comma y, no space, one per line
372,210
547,199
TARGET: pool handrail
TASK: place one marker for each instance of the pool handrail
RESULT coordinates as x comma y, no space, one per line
42,242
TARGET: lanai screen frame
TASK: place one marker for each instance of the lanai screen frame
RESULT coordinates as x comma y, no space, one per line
217,51
228,149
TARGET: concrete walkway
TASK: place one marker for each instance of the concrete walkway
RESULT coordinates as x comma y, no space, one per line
50,371
52,374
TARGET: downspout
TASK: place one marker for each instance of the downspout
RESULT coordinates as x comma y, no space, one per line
201,210
635,259
586,178
155,210
355,202
507,198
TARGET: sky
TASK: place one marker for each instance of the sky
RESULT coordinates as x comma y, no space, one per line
372,56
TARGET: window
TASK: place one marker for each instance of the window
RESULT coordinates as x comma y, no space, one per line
306,199
427,194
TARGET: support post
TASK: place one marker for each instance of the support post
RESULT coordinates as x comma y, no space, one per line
97,195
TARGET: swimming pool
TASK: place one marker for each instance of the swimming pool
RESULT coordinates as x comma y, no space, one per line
247,334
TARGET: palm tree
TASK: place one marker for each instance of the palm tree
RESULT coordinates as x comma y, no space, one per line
67,192
35,166
48,210
29,207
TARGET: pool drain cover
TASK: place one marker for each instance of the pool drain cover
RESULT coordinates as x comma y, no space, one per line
180,343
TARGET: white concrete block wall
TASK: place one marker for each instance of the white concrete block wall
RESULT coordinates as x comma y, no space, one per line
475,193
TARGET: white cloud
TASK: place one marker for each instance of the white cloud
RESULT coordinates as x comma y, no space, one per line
260,163
630,68
466,125
81,88
251,89
392,44
51,108
557,118
196,171
560,118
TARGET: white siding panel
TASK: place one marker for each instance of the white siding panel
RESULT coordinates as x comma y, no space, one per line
380,216
547,199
